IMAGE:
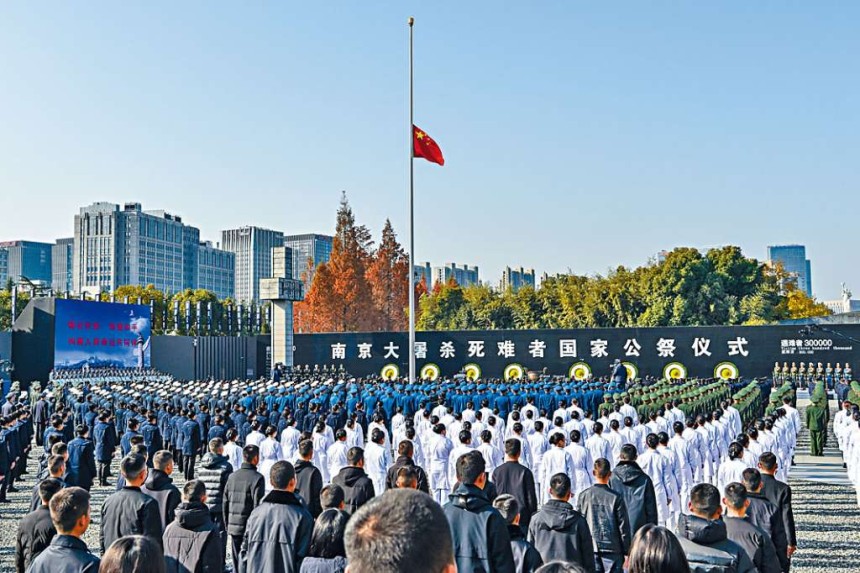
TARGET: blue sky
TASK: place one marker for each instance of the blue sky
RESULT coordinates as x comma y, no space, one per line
578,135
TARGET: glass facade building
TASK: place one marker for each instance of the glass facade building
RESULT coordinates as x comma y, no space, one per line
515,279
216,270
794,261
4,267
252,247
29,259
463,275
312,248
116,246
423,271
61,265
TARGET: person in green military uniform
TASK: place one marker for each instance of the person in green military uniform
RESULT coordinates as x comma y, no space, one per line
816,420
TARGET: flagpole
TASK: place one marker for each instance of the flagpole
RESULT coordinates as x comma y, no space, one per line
411,350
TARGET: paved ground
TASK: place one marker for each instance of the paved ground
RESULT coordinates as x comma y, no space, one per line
825,508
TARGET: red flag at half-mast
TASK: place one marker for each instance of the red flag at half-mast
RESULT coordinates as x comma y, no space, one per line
423,146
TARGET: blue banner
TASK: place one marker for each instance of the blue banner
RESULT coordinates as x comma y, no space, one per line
101,335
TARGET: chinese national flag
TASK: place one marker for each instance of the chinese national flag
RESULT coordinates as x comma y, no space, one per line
424,146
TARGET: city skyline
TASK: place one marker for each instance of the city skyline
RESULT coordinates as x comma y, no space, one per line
606,133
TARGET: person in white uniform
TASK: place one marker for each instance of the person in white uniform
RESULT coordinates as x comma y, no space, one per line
657,468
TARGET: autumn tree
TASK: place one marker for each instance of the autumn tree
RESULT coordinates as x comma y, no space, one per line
388,276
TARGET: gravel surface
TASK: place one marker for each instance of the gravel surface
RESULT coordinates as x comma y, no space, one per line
827,516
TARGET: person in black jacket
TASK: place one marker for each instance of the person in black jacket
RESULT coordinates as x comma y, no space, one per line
243,492
766,515
357,486
309,480
703,535
279,530
779,494
559,532
754,540
480,534
606,514
159,486
70,513
517,480
192,542
36,530
409,527
214,471
130,511
82,461
105,438
526,557
405,451
636,487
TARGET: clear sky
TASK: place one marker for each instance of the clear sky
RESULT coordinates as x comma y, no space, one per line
578,134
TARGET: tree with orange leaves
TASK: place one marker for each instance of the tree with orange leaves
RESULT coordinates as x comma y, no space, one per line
388,275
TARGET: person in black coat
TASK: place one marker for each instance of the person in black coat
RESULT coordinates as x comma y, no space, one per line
104,435
357,486
36,530
130,511
757,544
559,532
526,557
192,541
479,532
159,486
608,520
41,415
405,451
779,494
67,553
279,530
243,492
636,487
517,480
766,515
82,461
309,480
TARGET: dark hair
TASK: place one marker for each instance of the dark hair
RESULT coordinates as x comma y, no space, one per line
48,488
407,475
377,436
628,452
306,448
327,538
55,464
651,440
161,459
602,468
678,428
194,490
575,436
654,549
767,461
215,444
331,496
250,452
470,466
736,451
354,455
282,474
513,447
735,495
133,554
752,479
132,466
705,499
597,428
508,506
465,437
405,448
67,506
403,530
559,485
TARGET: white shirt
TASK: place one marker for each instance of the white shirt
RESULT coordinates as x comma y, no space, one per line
336,455
234,454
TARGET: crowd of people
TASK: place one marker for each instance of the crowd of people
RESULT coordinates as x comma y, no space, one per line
319,476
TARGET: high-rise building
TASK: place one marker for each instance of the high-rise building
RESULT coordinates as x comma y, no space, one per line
116,246
28,259
515,279
62,256
464,275
253,249
216,270
312,248
794,261
4,267
423,272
